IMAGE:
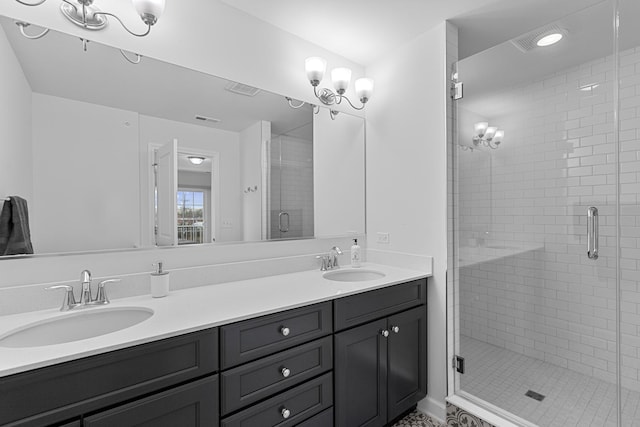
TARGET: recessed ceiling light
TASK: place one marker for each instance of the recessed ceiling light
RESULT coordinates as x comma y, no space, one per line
549,39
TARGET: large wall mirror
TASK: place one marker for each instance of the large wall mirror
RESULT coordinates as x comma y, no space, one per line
114,155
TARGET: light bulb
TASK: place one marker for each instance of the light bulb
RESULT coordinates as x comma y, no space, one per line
315,68
149,10
480,128
364,89
490,133
341,77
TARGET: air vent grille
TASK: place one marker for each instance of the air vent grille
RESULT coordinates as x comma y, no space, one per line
527,42
242,89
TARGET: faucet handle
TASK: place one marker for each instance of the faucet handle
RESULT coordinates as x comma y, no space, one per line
101,297
69,298
325,262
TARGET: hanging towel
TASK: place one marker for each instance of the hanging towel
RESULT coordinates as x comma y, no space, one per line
15,236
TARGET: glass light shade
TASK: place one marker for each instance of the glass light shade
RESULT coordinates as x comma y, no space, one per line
491,132
549,39
364,89
315,68
498,136
341,77
480,128
196,160
149,7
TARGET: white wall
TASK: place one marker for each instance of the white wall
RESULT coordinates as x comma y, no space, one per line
154,130
15,127
339,143
251,140
86,190
406,175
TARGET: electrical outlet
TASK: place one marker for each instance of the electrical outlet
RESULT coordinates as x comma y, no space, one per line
227,224
383,237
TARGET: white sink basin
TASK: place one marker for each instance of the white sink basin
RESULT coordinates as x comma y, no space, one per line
75,326
353,275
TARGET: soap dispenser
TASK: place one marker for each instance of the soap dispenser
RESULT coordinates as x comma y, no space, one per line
159,281
355,254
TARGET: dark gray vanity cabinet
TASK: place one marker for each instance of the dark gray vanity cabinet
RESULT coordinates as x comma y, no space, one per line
277,368
380,366
81,388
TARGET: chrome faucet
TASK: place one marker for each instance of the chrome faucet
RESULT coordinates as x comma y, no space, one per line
86,299
333,257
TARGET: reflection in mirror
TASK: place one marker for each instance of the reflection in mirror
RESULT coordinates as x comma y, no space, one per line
84,133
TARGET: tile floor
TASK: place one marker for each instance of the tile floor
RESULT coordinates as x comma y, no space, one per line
418,419
502,377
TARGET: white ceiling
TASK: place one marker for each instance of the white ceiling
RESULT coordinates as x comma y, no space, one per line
363,30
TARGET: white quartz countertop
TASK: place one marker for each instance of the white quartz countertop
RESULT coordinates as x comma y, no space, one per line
191,310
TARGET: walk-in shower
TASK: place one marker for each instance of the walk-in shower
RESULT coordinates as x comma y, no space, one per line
546,223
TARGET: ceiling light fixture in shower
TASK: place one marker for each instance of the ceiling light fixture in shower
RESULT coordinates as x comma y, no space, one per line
489,136
549,39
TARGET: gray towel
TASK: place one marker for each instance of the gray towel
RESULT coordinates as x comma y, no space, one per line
15,236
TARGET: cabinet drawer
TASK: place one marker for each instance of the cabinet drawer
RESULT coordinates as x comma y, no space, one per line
362,308
191,405
257,380
301,402
323,419
107,379
248,340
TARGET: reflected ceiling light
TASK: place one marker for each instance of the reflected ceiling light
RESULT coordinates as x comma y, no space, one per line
588,87
316,67
489,136
549,39
84,14
196,160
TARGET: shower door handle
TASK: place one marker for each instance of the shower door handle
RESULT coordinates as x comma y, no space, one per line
592,233
282,228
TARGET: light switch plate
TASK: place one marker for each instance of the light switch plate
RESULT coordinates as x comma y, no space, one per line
383,237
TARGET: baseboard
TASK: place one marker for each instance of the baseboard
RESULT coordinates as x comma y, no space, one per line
434,408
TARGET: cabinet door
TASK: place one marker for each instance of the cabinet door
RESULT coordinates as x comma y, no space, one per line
407,360
191,405
360,365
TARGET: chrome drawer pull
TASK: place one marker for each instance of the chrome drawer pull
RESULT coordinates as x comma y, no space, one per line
395,329
285,372
284,331
285,413
384,333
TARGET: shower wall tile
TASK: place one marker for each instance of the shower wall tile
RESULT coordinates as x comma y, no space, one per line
525,283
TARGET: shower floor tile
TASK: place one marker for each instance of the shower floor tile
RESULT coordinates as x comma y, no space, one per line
502,377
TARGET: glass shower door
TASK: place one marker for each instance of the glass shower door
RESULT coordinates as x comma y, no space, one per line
535,218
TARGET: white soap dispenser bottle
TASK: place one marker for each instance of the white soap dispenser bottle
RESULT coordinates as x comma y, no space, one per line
355,254
159,281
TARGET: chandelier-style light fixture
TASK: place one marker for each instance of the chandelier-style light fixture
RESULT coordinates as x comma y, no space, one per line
489,136
88,16
341,77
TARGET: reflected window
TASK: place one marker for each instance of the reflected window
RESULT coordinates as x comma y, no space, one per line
191,215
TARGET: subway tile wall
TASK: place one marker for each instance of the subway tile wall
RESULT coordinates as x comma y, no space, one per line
525,281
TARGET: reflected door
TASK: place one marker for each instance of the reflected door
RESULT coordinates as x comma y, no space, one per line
167,188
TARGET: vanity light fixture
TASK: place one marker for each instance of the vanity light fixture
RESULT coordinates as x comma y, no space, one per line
196,160
489,136
88,16
315,68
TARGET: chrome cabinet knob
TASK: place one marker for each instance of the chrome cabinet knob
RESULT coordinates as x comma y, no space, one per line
384,333
285,372
395,329
285,413
284,331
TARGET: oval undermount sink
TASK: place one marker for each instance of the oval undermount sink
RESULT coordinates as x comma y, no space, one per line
353,275
75,326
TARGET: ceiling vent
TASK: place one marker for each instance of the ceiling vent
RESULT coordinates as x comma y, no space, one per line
207,119
528,41
242,89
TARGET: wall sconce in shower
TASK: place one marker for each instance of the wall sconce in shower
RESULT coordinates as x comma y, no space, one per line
88,16
489,136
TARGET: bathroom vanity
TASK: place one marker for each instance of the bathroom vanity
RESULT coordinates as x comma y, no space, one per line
344,354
